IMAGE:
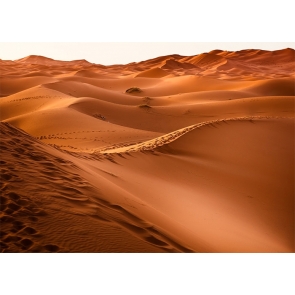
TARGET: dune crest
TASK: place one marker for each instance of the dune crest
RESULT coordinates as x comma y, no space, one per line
170,137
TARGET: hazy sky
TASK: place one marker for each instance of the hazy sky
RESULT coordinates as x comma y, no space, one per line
107,53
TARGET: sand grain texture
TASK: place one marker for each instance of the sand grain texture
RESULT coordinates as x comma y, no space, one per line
172,154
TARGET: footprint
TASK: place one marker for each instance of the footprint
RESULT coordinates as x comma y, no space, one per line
10,239
3,246
6,218
2,207
13,196
37,249
3,200
2,233
33,218
18,225
51,248
8,211
6,176
13,206
26,243
23,202
24,212
29,230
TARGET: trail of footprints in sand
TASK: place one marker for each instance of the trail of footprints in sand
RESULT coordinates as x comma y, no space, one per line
33,97
37,169
62,135
19,212
151,145
18,217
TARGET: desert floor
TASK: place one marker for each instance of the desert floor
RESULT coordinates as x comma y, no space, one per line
172,154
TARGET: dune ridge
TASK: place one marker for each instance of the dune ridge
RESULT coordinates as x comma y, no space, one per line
170,137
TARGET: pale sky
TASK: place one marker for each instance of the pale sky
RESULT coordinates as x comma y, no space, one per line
107,53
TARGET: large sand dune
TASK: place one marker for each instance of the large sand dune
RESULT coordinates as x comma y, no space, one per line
173,154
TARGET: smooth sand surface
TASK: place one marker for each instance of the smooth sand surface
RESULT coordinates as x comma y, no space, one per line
173,154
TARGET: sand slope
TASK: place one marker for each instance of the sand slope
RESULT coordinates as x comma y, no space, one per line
173,154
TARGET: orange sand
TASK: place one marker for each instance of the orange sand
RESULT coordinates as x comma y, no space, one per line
198,155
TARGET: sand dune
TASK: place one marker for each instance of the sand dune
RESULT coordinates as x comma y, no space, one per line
222,184
173,154
206,60
41,60
283,86
153,73
10,86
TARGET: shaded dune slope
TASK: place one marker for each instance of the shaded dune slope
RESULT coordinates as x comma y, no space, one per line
62,207
215,177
